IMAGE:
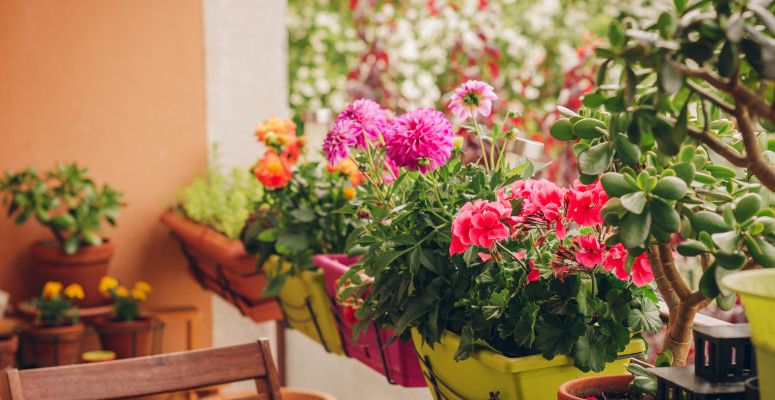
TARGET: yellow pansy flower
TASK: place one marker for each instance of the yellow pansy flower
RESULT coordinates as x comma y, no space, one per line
107,283
51,289
74,291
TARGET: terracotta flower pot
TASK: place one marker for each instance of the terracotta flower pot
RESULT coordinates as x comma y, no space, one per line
48,346
86,267
9,343
126,338
596,386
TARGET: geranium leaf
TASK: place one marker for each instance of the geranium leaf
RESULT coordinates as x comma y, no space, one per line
646,318
556,336
524,333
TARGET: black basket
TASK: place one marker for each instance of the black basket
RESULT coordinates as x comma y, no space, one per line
724,353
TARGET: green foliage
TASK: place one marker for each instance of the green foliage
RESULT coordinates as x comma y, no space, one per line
63,199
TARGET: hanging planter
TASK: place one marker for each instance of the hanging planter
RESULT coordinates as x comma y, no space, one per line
757,291
487,375
397,362
305,305
223,266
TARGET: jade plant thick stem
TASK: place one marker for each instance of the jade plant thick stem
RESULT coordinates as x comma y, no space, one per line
676,130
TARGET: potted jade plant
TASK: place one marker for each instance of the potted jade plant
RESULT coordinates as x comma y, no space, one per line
126,333
505,285
677,134
66,201
294,221
207,220
54,337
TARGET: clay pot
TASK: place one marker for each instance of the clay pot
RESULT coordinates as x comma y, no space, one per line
86,267
288,394
126,338
594,386
9,343
48,346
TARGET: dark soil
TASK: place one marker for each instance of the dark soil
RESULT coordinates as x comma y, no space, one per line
629,395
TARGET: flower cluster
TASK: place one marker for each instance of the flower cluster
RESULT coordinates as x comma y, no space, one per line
274,170
125,301
55,304
545,209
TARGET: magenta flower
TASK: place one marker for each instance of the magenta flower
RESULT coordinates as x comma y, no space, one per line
534,274
369,117
339,139
585,203
615,261
590,252
641,271
420,139
472,97
479,224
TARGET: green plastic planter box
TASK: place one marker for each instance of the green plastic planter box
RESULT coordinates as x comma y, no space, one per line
307,308
485,372
757,290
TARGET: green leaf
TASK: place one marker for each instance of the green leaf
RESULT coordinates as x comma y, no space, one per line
645,319
663,134
304,214
634,229
71,244
268,235
726,241
670,78
91,237
562,130
617,305
466,346
587,128
720,172
596,159
293,241
708,286
691,248
524,334
706,221
731,261
634,202
412,313
760,250
616,33
593,350
747,206
274,285
555,335
664,360
387,257
664,215
615,184
627,151
685,171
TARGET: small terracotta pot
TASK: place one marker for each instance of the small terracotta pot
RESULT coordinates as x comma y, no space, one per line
593,386
86,267
9,343
48,346
126,338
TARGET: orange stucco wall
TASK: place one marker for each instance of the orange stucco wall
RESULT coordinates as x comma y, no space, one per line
117,85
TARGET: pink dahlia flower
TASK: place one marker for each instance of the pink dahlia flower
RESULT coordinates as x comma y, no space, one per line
590,251
615,261
641,271
420,139
369,117
472,97
339,139
479,224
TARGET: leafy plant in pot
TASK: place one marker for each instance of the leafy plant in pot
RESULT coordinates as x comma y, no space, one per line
128,334
54,337
493,275
677,131
294,221
66,201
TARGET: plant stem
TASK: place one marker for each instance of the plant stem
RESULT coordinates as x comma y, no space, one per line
481,142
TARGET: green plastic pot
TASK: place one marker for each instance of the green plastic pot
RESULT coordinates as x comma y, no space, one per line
306,306
757,290
485,372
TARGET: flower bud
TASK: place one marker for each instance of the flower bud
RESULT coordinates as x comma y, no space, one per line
514,114
458,142
512,133
423,162
362,213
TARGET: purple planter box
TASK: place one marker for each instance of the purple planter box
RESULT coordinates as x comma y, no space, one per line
397,362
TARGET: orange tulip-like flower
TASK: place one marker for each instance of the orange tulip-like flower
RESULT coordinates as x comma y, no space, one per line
51,289
272,170
107,283
276,125
74,291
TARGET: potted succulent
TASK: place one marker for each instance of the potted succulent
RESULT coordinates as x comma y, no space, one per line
54,337
678,132
494,276
208,218
66,201
294,221
127,333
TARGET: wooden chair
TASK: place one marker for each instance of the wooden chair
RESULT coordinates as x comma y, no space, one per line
147,375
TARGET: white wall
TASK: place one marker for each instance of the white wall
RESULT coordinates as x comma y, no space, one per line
246,82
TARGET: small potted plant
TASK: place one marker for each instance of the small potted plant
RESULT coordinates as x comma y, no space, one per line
54,337
127,333
69,203
296,220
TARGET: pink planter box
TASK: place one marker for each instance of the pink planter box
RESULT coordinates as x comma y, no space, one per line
397,362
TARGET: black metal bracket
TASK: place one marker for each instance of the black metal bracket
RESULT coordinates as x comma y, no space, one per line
312,317
435,381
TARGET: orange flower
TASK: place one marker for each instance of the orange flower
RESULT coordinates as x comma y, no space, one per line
292,149
74,291
279,126
51,289
272,170
349,193
348,166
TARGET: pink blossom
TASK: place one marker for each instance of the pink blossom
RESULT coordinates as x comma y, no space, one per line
338,141
484,256
641,271
615,261
389,166
369,118
480,224
590,251
472,97
420,139
534,274
585,203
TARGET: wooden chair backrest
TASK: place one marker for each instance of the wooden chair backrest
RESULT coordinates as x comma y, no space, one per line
147,375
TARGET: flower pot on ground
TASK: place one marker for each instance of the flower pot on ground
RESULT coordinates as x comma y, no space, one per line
485,372
600,387
127,334
757,291
9,344
397,361
48,346
66,201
